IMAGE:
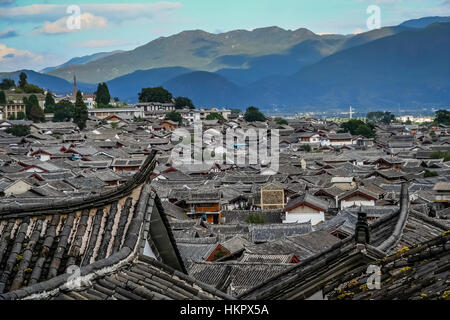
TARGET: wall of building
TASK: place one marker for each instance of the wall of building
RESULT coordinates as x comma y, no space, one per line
315,218
18,188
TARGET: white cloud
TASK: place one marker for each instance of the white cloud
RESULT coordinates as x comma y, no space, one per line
88,21
12,59
117,12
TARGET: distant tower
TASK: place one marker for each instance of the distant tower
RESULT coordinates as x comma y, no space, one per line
75,90
351,112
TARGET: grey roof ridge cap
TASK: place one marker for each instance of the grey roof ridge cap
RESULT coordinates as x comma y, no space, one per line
427,219
182,276
11,209
394,238
94,270
341,243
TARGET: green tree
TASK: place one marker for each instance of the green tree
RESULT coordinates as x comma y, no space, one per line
80,114
174,116
19,130
22,80
281,121
63,111
12,117
430,174
442,117
380,116
219,254
358,127
183,103
306,148
31,88
30,102
21,115
255,218
253,114
441,155
36,114
157,94
7,84
102,96
2,97
214,116
49,105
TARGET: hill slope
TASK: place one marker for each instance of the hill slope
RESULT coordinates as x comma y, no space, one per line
205,89
45,81
408,69
82,60
424,22
195,50
127,87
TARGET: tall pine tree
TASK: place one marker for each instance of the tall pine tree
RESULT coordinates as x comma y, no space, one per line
31,102
102,96
49,103
22,79
81,113
2,97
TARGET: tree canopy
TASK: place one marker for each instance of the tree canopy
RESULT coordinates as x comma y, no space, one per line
281,121
31,88
22,80
442,117
2,97
102,96
441,155
183,102
358,127
214,116
64,111
19,130
21,116
7,84
32,103
380,116
49,106
253,114
174,116
157,94
80,114
36,114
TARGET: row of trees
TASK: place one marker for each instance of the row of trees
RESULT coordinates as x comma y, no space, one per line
65,110
358,127
7,84
442,117
380,117
26,87
161,95
251,115
62,111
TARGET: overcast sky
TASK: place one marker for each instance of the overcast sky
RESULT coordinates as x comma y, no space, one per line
34,34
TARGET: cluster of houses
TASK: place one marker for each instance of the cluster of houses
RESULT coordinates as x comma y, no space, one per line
237,225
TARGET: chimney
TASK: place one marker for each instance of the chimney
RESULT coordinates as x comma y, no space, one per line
362,234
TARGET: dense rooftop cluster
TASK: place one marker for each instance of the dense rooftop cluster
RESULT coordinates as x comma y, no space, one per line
114,203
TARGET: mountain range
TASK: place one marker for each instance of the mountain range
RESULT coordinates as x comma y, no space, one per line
82,60
403,66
